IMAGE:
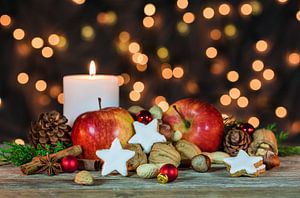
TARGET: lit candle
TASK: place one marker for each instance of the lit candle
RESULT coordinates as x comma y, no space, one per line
81,93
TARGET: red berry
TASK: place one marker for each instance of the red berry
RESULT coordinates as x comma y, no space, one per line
247,128
69,164
144,116
170,171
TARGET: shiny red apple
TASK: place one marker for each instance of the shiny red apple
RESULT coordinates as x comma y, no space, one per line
199,122
97,129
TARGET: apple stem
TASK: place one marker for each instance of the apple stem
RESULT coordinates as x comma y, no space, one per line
99,103
186,122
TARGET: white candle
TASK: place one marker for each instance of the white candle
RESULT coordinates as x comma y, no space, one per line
81,93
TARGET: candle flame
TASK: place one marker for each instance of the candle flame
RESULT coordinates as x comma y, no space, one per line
92,68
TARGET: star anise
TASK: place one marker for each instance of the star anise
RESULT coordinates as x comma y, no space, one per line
50,165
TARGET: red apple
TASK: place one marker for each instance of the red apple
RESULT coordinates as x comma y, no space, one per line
97,129
199,122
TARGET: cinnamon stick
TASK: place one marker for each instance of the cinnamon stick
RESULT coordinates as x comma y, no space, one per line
35,165
90,165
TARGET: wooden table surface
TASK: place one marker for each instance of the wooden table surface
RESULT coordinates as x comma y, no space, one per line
279,182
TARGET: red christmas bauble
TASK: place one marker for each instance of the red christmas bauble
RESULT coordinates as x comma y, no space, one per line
69,164
167,173
144,116
247,128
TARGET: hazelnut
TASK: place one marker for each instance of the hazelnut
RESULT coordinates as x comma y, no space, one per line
271,160
201,163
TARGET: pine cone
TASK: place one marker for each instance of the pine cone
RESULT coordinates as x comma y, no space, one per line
235,140
50,128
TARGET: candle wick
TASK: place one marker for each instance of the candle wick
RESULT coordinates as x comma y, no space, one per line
99,103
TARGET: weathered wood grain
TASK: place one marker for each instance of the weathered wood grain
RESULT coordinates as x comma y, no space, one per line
279,182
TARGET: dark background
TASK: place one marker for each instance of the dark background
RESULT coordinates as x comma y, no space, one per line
274,21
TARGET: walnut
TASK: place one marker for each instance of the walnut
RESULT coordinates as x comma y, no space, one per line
187,149
201,163
164,153
138,159
84,177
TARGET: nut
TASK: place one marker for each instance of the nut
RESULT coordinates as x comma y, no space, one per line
164,153
166,130
84,177
156,112
271,160
147,171
187,149
138,159
201,163
217,157
177,135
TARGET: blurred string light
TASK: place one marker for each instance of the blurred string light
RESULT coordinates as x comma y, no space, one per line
254,121
40,85
218,67
246,9
230,30
261,46
87,33
268,74
23,78
211,52
19,34
107,18
124,37
298,15
224,9
232,76
162,53
295,127
54,91
158,99
138,86
183,28
281,112
178,72
60,98
255,84
225,100
256,7
282,1
215,34
43,100
134,96
149,9
0,102
120,80
23,49
134,47
208,13
47,52
79,2
188,17
63,43
5,20
182,4
257,65
234,93
192,87
37,42
164,105
167,73
242,102
293,59
126,77
53,39
148,22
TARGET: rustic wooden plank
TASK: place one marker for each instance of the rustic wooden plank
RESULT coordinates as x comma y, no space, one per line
280,182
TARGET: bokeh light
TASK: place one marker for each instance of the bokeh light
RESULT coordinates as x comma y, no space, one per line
242,102
148,22
164,105
54,91
141,68
232,76
159,99
40,85
134,96
215,34
192,87
79,2
0,102
149,9
261,46
178,72
255,84
298,15
167,73
256,7
224,9
225,100
19,141
63,43
234,93
19,34
230,30
281,112
282,1
5,20
53,39
246,9
188,17
182,4
37,42
60,98
126,77
124,37
257,65
138,86
23,78
134,47
208,13
87,32
211,52
293,59
107,18
162,52
268,74
254,121
47,52
182,28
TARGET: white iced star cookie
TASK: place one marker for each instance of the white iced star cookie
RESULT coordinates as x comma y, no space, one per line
243,164
115,158
146,135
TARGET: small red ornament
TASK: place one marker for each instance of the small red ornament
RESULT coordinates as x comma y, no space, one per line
167,173
69,164
144,116
247,128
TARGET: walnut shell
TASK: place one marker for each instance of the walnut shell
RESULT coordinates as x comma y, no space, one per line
84,177
138,159
187,149
164,153
147,171
201,163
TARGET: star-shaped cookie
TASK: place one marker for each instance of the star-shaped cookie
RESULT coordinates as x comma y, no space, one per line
243,164
146,135
115,158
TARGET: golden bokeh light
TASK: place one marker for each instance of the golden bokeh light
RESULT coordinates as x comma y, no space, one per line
63,43
134,96
53,39
242,102
257,65
141,68
215,34
124,37
232,76
43,100
268,74
167,73
182,28
23,49
120,80
19,141
158,99
47,52
246,9
178,72
0,102
148,22
23,78
162,52
182,4
208,13
192,87
164,105
230,30
60,98
5,20
261,46
87,32
79,2
281,112
40,85
293,59
234,93
211,52
225,100
149,9
188,17
126,77
142,59
224,9
138,86
254,121
134,47
54,91
298,15
282,1
37,42
18,34
107,18
295,127
256,7
255,84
